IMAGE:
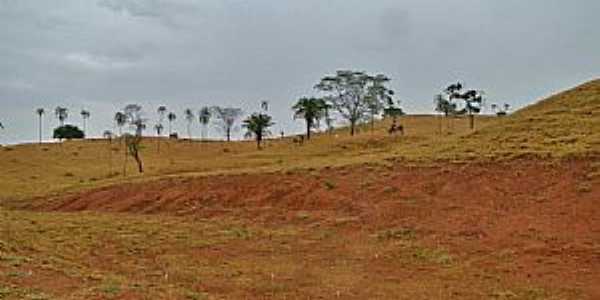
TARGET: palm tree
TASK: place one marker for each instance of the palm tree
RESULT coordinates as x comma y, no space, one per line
257,126
159,129
171,117
162,110
264,105
204,117
189,117
121,120
311,110
40,112
85,115
62,114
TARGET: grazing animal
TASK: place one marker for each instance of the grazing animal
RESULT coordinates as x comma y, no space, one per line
299,140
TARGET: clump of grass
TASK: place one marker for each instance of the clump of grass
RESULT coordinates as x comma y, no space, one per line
329,185
405,234
437,255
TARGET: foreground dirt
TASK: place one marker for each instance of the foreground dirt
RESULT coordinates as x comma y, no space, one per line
514,230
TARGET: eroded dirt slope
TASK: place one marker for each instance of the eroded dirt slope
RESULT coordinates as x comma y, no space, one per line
526,221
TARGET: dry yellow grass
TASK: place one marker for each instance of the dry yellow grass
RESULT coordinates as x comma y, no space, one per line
105,256
567,124
37,170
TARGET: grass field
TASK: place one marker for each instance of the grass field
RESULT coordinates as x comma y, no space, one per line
508,211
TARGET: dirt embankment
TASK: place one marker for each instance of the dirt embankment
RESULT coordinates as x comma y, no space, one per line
544,215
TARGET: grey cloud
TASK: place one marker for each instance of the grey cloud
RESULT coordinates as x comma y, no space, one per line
101,55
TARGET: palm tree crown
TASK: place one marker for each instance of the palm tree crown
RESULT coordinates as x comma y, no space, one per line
257,126
62,114
311,110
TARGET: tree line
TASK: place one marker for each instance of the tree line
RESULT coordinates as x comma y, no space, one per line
353,96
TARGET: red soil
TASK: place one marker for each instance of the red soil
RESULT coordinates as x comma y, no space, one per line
545,215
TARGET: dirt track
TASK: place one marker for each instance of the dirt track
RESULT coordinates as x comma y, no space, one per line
544,216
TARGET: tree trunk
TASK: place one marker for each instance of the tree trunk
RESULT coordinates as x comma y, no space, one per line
472,121
352,127
138,160
258,141
308,127
125,162
40,129
228,134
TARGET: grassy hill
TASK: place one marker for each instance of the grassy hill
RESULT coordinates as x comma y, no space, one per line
564,125
508,211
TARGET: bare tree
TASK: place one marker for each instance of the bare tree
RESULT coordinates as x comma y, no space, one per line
226,117
134,117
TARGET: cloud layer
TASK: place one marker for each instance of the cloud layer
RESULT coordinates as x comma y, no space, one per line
101,55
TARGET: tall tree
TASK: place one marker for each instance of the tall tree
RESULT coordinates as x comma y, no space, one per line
108,135
257,126
444,106
204,116
311,110
40,112
134,117
171,117
473,102
120,120
85,115
349,92
378,96
159,129
162,110
61,114
264,105
226,117
189,117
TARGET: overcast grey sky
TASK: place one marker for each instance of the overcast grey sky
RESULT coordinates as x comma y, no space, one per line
103,54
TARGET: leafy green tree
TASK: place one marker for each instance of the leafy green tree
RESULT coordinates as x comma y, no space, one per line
354,94
68,132
473,102
444,106
225,118
257,126
204,116
311,110
378,96
40,112
61,114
